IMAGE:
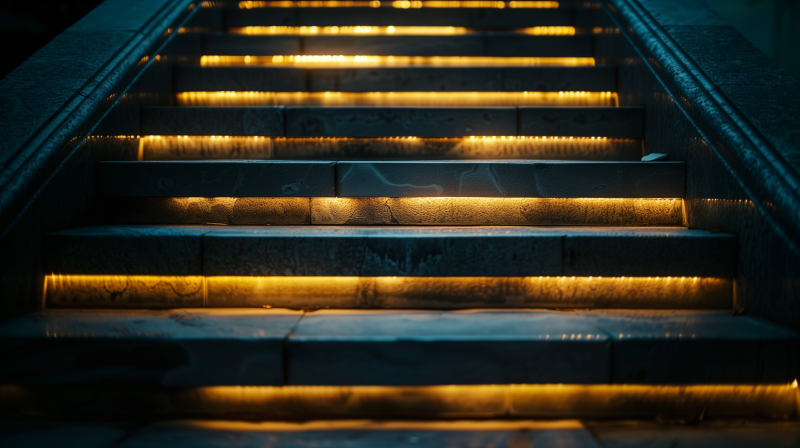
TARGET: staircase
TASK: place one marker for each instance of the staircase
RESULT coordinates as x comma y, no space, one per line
433,209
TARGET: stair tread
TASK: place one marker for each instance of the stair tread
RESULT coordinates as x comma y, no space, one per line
357,78
453,178
364,434
389,121
397,347
463,17
390,251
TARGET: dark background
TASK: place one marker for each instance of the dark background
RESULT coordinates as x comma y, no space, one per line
27,25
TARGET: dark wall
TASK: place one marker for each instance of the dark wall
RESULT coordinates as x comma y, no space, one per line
28,25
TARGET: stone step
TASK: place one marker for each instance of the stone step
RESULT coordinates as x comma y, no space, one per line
192,347
154,148
472,44
195,78
617,122
459,17
390,251
395,179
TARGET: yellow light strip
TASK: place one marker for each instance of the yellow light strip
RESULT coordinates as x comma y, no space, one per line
549,401
420,99
309,4
406,4
502,147
550,31
354,30
400,4
99,291
391,61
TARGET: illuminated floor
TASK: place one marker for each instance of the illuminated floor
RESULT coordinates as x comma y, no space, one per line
395,99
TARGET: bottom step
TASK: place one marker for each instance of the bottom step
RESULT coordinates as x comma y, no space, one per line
205,347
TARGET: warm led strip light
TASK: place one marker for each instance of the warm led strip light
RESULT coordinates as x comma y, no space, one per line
577,401
108,291
400,4
391,61
354,30
550,31
398,99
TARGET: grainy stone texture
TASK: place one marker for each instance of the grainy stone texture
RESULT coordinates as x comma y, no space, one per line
312,293
619,122
244,178
462,17
129,250
260,121
679,347
396,79
167,348
399,121
496,211
119,291
394,211
415,348
362,434
511,179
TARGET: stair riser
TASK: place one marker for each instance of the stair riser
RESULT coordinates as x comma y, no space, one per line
395,211
397,79
154,148
131,292
445,402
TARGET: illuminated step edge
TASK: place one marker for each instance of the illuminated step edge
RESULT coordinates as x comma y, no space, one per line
369,251
618,122
452,178
401,4
521,86
311,293
469,18
388,30
396,211
399,62
204,347
372,402
367,433
473,44
398,98
154,148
